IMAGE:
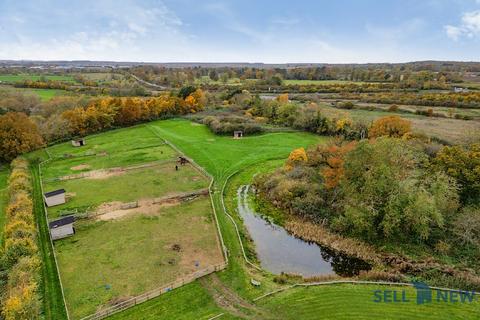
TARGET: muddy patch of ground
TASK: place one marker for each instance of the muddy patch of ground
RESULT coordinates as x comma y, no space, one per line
80,167
105,174
113,211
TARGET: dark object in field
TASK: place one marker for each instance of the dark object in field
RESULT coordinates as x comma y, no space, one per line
182,160
176,247
172,262
176,168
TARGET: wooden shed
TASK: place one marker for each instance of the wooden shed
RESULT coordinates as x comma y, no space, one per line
62,228
54,198
237,134
78,142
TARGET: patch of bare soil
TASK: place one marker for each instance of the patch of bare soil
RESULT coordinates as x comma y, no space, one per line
80,167
105,174
112,210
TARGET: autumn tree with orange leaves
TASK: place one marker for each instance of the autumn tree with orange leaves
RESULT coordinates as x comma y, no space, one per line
18,134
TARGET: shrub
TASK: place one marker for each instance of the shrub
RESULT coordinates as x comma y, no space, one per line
391,126
393,108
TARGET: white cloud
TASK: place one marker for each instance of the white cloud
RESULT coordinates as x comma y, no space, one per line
118,34
469,26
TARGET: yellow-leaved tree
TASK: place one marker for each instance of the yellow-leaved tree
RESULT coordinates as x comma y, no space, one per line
296,156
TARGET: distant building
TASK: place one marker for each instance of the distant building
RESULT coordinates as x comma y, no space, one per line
62,228
237,134
78,142
54,198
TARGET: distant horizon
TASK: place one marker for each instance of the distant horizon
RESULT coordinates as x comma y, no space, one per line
234,62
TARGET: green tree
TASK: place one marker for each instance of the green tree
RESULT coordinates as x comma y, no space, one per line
388,194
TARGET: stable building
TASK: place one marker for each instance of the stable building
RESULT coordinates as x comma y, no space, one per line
54,198
79,142
62,228
237,134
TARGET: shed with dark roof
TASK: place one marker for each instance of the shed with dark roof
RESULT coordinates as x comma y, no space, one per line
54,198
62,228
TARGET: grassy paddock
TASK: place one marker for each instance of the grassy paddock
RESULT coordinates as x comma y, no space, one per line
109,261
145,183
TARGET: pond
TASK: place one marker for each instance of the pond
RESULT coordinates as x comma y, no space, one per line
278,251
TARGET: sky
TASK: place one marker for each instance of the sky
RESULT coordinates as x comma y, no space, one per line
269,31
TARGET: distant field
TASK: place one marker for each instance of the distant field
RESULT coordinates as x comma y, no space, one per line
452,130
46,94
3,197
112,261
102,77
33,77
206,79
43,94
467,84
311,82
356,302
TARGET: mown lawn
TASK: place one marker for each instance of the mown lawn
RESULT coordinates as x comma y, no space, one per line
185,303
108,261
357,302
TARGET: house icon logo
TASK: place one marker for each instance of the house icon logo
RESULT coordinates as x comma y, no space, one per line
424,292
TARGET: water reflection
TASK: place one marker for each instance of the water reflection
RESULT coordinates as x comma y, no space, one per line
279,251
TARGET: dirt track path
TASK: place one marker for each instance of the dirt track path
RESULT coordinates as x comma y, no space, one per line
227,299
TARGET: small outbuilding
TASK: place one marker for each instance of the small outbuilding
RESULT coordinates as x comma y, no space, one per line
62,228
54,198
78,142
237,134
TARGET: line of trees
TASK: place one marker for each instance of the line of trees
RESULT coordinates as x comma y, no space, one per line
454,100
19,262
20,133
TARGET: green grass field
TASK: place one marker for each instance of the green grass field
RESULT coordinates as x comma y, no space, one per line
46,94
118,148
3,197
34,77
129,251
146,183
114,260
222,156
357,302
